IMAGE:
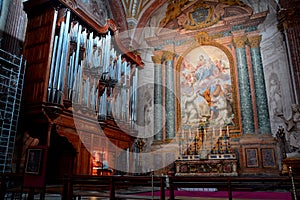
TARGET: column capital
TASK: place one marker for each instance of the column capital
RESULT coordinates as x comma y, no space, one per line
288,18
168,55
157,59
239,41
254,41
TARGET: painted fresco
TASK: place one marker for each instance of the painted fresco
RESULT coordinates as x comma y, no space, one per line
206,88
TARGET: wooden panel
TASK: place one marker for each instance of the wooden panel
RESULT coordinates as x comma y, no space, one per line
36,51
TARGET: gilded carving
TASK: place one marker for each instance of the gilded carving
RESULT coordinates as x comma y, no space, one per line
173,11
167,55
201,15
203,38
193,15
157,59
182,19
254,41
240,41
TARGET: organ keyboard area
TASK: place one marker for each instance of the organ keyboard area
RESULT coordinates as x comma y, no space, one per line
88,71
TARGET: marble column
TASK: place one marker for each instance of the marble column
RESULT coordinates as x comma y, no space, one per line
158,100
169,95
260,86
244,85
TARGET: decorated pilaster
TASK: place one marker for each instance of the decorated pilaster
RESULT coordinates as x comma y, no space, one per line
169,95
158,112
289,25
259,84
244,85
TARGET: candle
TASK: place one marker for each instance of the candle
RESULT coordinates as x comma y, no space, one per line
227,131
127,157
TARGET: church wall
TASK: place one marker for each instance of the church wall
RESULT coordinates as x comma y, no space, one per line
279,89
240,143
277,70
278,79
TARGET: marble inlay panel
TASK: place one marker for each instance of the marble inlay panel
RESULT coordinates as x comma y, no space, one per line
245,93
158,102
260,92
170,101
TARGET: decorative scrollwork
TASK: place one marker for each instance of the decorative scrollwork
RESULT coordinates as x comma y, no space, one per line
202,15
173,11
203,38
71,3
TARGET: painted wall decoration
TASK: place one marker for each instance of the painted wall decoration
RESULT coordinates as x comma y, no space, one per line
206,88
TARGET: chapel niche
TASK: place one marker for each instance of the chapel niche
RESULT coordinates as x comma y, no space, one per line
210,49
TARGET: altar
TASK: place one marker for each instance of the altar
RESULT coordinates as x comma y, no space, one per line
206,153
214,165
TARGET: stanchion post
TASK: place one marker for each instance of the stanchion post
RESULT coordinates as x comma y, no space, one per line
293,183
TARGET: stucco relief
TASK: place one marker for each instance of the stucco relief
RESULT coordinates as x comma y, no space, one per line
276,70
275,95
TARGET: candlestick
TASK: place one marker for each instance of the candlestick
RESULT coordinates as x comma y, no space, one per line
227,131
127,158
211,142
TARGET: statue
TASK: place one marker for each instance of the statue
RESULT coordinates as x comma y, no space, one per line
280,136
293,131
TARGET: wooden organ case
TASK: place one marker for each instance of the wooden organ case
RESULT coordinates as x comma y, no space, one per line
80,83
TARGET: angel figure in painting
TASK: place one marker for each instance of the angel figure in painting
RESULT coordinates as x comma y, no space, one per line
293,131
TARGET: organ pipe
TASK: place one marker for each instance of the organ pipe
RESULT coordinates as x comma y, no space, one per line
87,70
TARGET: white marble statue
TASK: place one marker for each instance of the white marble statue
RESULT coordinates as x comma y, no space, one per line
293,131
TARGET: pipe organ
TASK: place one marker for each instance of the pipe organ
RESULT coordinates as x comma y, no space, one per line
78,67
87,70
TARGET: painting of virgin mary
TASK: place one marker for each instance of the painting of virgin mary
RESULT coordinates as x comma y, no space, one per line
205,83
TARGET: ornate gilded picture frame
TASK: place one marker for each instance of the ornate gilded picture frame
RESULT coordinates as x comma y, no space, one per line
206,89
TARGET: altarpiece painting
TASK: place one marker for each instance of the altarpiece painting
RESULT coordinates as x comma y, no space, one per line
206,88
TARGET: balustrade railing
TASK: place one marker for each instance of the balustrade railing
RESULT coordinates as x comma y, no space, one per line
109,186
